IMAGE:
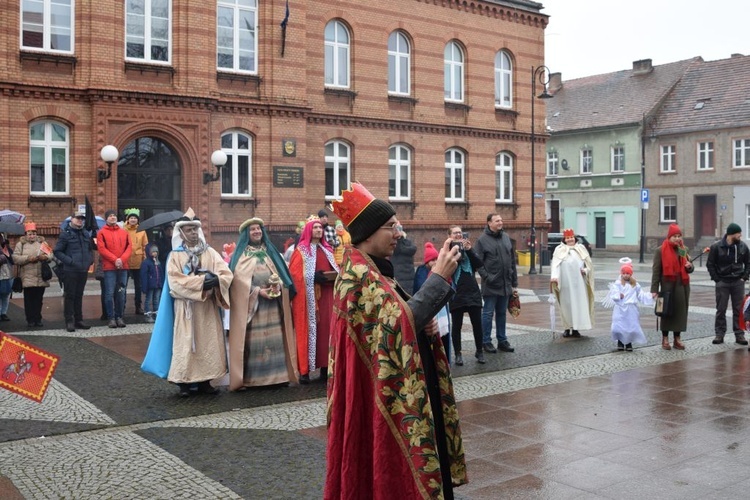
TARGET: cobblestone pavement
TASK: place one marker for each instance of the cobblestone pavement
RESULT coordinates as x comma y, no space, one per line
105,429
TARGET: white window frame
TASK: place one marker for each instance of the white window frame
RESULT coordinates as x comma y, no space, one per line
338,162
617,158
48,145
455,164
503,177
668,159
741,153
398,168
237,50
30,19
553,164
337,50
148,21
587,161
234,154
705,155
503,80
619,223
453,67
667,203
399,57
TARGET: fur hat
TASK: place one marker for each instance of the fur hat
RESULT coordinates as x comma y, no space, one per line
673,229
430,252
733,228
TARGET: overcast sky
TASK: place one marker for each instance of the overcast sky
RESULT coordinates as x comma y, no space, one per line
590,37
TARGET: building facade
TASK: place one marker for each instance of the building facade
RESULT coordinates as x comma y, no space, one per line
425,102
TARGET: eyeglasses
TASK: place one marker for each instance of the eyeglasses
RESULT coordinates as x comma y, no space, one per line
395,228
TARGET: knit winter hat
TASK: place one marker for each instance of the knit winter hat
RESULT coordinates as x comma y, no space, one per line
673,229
430,252
733,228
108,213
322,213
626,269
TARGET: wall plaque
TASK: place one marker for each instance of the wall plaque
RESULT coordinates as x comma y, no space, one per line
289,177
289,147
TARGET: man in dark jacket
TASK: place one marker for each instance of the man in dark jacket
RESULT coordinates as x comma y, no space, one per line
468,298
499,280
74,249
729,266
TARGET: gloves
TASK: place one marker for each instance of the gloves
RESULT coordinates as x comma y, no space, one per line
320,277
210,281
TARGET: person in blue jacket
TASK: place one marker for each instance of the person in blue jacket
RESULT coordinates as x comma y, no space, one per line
152,281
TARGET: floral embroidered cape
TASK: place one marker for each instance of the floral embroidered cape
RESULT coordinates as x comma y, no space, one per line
381,430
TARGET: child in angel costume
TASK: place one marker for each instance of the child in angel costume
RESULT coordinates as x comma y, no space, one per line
624,296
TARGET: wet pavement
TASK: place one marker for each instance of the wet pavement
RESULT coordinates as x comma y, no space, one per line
559,418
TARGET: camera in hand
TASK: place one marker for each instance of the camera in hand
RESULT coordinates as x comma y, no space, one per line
458,244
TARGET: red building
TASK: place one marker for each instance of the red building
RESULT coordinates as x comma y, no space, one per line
426,102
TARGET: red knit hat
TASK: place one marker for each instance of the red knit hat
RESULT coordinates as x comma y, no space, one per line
674,229
626,269
430,253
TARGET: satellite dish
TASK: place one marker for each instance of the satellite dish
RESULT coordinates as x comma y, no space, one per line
565,164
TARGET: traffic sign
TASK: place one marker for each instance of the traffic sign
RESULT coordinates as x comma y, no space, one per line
644,195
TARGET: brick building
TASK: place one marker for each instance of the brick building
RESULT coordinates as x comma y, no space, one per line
426,102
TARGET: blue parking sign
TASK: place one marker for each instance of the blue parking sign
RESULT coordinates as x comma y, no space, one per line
644,195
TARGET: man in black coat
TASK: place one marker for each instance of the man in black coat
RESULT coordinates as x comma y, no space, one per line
74,250
729,266
499,280
468,298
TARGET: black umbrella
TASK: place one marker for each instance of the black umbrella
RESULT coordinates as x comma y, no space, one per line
159,220
11,228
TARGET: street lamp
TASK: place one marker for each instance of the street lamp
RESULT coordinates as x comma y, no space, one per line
109,155
540,73
648,124
218,160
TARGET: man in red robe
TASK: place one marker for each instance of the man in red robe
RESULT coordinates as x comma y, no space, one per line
393,428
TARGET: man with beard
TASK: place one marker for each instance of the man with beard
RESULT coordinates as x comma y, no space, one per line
393,427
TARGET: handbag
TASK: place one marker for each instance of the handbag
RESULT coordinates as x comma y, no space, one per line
663,304
514,305
46,271
17,285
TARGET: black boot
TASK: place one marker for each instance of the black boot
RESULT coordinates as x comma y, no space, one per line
205,387
324,374
184,390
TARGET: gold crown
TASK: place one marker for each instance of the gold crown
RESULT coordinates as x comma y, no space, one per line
353,202
312,217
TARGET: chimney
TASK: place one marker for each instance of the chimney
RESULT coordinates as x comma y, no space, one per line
555,82
736,55
642,67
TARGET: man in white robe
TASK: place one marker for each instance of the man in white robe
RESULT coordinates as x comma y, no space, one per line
198,281
572,283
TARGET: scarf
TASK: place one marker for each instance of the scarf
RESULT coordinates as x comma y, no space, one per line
194,256
673,259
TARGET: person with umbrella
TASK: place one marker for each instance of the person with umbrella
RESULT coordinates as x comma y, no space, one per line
28,256
74,249
6,276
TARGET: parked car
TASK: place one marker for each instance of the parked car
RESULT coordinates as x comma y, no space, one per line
554,239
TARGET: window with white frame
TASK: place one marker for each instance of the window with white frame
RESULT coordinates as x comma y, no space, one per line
236,176
667,209
503,80
399,172
503,178
618,158
454,175
49,146
587,161
399,64
618,224
338,168
453,61
236,40
148,31
336,55
553,163
741,153
705,155
668,159
47,25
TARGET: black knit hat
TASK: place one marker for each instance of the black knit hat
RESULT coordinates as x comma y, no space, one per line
373,217
108,213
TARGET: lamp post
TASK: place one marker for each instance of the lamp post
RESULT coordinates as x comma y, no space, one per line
218,160
649,123
540,73
109,155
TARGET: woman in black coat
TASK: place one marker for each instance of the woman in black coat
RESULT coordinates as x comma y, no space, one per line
403,262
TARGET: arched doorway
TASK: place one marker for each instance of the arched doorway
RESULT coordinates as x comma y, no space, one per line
149,177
